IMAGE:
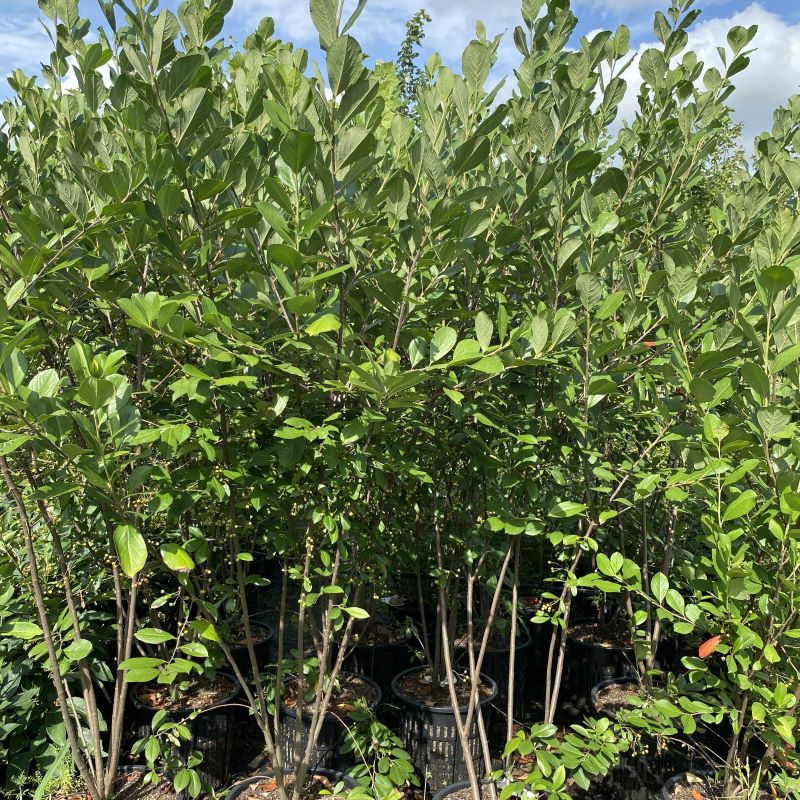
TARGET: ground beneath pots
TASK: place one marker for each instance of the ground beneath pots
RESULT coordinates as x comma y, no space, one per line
202,693
602,635
349,690
701,789
267,789
418,686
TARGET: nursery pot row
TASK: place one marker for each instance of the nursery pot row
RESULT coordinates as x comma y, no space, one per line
326,752
430,735
211,729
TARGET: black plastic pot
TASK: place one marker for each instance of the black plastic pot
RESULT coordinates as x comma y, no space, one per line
455,787
135,768
405,585
268,567
212,731
430,735
378,662
333,776
327,749
263,649
639,775
598,687
588,663
496,664
666,789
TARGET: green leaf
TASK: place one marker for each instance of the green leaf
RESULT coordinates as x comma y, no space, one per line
16,292
610,305
784,358
491,365
354,16
76,651
590,290
683,285
476,63
176,558
297,149
12,443
714,428
659,585
181,74
566,508
345,64
756,378
539,334
773,421
353,431
325,323
442,343
606,222
323,15
354,143
471,154
205,630
131,549
195,106
776,278
194,649
24,630
141,662
355,612
484,328
785,726
96,392
153,636
543,131
53,771
740,506
45,383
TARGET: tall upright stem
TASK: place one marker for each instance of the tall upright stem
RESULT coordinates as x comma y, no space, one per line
92,788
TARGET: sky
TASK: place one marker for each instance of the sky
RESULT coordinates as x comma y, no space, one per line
773,75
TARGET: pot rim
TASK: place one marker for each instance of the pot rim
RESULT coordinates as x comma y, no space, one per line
448,708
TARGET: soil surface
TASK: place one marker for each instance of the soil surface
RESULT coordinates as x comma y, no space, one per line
697,788
617,696
602,635
131,786
267,789
486,794
239,638
350,689
379,633
201,693
418,686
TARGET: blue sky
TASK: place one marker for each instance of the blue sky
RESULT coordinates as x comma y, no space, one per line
774,73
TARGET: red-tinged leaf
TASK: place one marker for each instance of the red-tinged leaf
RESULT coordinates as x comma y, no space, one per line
709,646
697,796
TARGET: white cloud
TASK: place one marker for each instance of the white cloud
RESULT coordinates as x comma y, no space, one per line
772,76
23,43
616,6
381,26
292,20
774,71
